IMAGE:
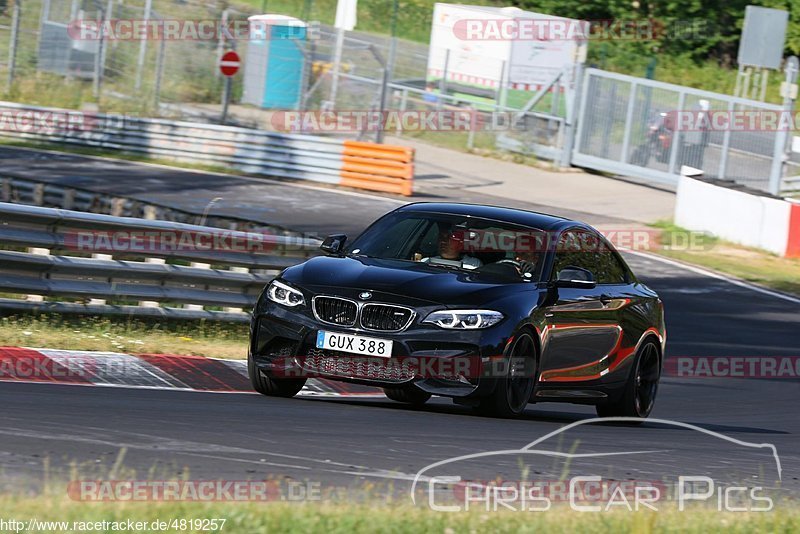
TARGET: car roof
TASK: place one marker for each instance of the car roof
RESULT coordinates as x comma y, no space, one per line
533,219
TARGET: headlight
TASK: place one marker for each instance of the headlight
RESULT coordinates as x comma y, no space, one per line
464,319
283,294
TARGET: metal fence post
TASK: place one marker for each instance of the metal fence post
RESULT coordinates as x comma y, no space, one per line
443,81
102,51
726,145
677,139
43,18
143,46
388,67
98,60
162,51
473,124
221,41
501,96
555,102
626,136
403,107
573,116
337,64
226,98
12,48
781,139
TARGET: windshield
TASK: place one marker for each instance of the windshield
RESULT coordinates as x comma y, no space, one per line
455,242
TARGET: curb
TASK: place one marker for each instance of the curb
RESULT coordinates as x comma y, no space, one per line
149,371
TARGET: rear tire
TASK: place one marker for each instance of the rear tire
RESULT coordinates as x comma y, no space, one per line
640,391
641,156
409,395
273,387
513,392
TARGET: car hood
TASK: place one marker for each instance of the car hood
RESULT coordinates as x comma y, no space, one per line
405,279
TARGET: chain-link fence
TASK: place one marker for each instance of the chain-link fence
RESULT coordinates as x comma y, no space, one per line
640,127
59,60
55,54
46,58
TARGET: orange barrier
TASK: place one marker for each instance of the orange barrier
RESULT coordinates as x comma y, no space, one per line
386,168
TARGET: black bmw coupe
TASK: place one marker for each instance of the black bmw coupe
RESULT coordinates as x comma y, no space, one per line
492,307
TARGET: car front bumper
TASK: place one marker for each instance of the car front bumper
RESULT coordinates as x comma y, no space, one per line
449,363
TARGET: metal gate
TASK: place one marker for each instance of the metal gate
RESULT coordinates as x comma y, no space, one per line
623,128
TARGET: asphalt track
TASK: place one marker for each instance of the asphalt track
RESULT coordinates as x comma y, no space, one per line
311,208
346,441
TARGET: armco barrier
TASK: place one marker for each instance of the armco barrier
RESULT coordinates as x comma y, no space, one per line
746,218
371,166
46,253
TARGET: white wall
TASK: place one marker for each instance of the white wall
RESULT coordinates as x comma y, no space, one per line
742,218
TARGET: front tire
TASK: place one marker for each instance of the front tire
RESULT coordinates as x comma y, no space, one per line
640,391
271,386
408,395
513,392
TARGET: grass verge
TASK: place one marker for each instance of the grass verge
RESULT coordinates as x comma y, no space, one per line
381,517
200,338
753,265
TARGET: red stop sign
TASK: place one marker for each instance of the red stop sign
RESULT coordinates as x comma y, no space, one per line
229,63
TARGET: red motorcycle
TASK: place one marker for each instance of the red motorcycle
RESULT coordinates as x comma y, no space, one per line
658,141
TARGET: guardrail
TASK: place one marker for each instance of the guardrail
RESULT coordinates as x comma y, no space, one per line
18,190
138,267
372,166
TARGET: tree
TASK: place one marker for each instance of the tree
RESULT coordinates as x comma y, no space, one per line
699,29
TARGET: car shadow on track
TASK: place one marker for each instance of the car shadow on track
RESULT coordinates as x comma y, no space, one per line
536,415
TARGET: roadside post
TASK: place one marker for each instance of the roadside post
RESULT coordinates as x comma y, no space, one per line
346,16
780,156
228,65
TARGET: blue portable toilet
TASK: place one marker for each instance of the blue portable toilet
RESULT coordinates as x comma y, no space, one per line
274,64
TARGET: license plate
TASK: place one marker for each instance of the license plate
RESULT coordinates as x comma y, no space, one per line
369,346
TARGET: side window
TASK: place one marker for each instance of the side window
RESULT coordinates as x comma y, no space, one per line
571,251
587,250
609,269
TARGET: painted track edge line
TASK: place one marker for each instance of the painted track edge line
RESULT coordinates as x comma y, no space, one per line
123,386
189,390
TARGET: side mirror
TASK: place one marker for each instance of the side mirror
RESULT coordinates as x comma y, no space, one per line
333,244
576,278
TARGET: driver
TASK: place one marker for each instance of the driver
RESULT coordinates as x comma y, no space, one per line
527,262
451,251
526,257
